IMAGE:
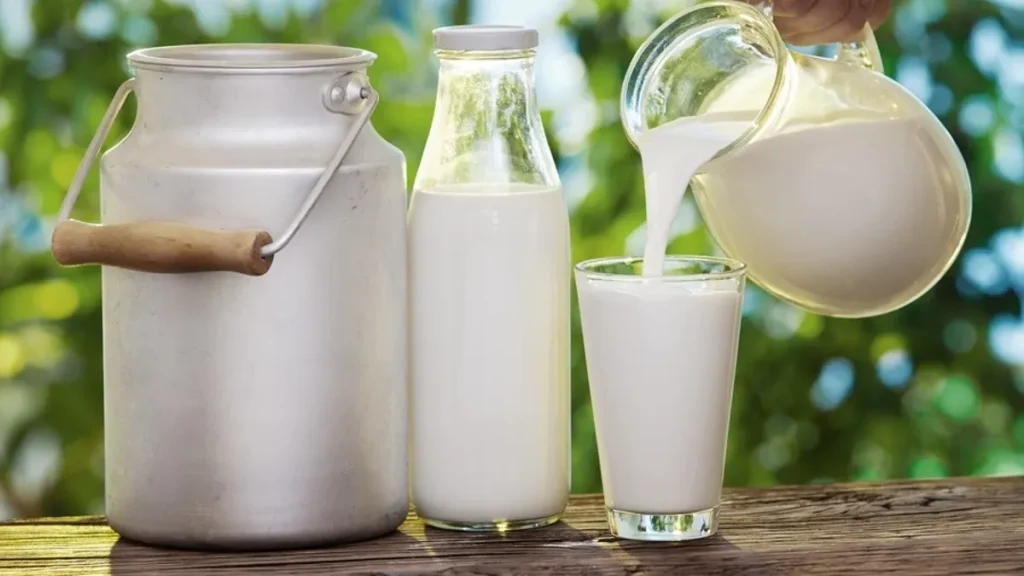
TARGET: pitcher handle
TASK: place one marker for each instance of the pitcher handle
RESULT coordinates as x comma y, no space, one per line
863,53
169,247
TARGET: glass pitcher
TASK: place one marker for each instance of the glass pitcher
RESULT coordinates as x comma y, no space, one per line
845,196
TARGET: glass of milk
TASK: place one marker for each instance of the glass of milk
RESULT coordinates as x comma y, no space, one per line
661,358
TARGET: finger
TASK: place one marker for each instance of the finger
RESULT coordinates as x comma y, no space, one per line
820,15
795,8
848,28
880,11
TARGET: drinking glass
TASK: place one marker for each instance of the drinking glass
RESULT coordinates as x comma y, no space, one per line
661,358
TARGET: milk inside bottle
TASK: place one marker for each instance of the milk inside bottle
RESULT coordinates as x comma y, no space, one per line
489,269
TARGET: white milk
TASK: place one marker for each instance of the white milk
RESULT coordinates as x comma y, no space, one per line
661,361
850,217
671,155
489,284
867,220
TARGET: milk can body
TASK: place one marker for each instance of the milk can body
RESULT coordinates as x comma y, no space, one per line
489,280
270,411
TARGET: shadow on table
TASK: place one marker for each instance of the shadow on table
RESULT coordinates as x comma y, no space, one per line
547,550
563,549
128,557
714,555
556,549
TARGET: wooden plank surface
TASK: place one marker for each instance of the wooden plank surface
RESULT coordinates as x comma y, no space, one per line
962,526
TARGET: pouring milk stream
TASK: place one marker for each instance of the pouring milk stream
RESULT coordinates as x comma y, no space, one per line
672,154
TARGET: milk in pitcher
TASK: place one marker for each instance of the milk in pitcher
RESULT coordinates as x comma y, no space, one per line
831,230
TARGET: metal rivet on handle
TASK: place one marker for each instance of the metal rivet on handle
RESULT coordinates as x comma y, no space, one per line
348,94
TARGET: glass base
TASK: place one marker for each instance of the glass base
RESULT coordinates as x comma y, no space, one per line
663,527
498,526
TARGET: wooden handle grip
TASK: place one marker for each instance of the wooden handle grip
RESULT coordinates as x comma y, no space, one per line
161,247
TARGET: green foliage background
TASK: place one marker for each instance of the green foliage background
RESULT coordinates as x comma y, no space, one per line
931,390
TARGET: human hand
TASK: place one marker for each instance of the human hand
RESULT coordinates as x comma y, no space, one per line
805,22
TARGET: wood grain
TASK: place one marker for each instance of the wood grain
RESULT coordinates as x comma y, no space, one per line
164,247
962,526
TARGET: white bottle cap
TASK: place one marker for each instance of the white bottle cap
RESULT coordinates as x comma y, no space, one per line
485,37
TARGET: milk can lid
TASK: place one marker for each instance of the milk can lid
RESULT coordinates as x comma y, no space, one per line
485,37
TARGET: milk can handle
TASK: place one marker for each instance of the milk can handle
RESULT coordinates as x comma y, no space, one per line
169,247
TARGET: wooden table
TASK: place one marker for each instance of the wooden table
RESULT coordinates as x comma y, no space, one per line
962,526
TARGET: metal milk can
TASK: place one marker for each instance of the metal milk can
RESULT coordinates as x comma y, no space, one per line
250,405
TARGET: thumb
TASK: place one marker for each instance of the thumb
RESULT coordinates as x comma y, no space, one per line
798,8
880,11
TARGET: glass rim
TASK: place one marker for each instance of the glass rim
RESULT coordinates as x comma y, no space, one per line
734,269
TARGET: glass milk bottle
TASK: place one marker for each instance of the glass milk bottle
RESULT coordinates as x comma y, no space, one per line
489,269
